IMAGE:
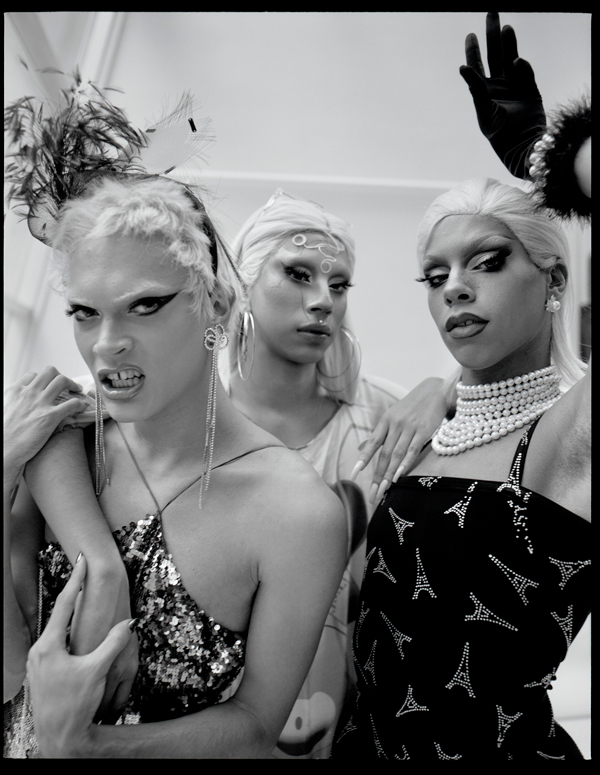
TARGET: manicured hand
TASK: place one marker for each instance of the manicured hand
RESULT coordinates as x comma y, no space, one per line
66,690
401,434
33,410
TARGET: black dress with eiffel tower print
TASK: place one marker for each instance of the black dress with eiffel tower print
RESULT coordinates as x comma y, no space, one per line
472,594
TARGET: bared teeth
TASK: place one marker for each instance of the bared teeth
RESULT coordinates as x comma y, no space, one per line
124,374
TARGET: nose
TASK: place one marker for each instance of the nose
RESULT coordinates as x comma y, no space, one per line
456,289
112,340
320,300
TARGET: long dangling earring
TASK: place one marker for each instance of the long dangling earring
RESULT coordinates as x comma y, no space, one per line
245,346
100,452
553,304
351,371
215,339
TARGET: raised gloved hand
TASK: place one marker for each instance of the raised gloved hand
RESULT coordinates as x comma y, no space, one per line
509,106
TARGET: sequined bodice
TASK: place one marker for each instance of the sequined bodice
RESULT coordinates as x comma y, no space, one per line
472,594
186,659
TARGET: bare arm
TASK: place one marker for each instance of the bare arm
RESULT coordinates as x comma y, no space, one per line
60,481
302,548
23,536
31,413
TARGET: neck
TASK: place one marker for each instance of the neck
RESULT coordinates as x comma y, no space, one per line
276,384
178,434
513,367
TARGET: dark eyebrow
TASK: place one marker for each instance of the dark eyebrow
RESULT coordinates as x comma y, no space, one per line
472,246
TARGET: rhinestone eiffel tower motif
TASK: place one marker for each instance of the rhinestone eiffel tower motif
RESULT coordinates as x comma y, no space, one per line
400,524
381,567
361,618
568,569
445,757
504,723
429,481
513,479
460,508
404,756
483,614
422,584
370,663
378,746
546,681
410,705
398,636
520,583
367,558
350,727
461,677
520,519
566,624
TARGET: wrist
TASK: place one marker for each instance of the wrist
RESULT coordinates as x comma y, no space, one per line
79,745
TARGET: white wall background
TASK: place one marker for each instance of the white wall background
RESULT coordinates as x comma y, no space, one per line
365,113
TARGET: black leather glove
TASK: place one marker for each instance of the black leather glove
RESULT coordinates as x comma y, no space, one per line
509,106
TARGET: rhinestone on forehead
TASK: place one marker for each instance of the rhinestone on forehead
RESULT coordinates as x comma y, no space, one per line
326,249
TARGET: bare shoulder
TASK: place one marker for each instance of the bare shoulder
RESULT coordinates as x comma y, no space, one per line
564,432
290,480
289,506
559,460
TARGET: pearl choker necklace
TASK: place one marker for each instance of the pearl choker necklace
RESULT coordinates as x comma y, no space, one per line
487,412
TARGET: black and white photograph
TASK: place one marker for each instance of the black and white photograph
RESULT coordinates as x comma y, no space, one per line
297,385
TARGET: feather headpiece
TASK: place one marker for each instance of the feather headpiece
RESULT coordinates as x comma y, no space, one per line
59,151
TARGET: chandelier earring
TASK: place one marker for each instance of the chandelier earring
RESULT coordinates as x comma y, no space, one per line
351,358
99,450
245,346
553,304
215,339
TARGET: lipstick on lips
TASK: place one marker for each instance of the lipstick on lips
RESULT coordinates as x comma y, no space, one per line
465,325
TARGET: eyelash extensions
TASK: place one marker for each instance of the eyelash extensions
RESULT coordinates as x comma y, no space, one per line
148,301
493,263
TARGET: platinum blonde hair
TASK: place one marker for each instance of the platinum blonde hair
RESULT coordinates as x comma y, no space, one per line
264,233
539,234
153,208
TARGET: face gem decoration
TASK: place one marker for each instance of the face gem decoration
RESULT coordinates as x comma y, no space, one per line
326,249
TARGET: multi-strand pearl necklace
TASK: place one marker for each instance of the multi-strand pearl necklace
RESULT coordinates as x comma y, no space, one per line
487,412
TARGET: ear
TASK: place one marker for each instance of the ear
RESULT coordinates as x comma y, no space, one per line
557,278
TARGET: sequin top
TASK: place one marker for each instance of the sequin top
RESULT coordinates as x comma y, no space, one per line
187,661
472,594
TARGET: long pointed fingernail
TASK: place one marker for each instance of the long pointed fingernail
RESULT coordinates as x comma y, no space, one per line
357,469
373,492
397,474
133,624
382,488
79,556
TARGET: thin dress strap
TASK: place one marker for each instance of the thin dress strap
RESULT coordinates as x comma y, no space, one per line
516,471
187,487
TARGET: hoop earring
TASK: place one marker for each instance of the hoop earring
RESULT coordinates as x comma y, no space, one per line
553,304
245,346
352,370
215,339
99,449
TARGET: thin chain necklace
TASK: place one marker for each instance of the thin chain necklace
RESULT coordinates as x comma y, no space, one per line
159,511
488,412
